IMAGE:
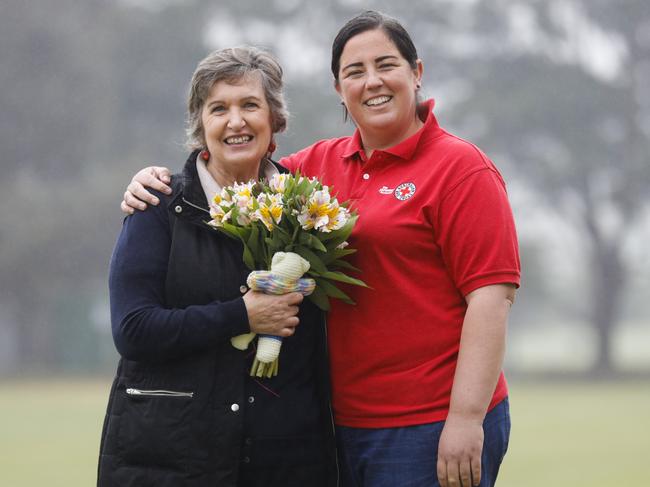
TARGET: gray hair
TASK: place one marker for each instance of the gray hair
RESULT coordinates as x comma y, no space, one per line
231,65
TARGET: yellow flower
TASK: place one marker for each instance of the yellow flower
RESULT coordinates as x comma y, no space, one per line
223,198
337,217
322,212
218,216
316,213
269,211
243,194
278,182
218,206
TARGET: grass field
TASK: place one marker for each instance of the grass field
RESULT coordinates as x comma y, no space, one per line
569,435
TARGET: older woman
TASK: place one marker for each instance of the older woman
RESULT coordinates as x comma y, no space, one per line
418,392
183,410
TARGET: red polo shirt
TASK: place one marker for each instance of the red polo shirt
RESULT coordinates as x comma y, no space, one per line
434,224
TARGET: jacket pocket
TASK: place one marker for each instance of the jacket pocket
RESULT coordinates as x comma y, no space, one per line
155,427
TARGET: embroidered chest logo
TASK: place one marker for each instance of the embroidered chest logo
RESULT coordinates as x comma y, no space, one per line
404,191
386,190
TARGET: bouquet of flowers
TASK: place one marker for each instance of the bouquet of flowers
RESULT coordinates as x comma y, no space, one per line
289,226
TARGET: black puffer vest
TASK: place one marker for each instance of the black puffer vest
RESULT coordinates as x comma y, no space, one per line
227,426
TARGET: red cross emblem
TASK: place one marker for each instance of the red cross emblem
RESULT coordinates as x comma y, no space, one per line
404,191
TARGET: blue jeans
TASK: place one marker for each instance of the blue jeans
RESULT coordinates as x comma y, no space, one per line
407,457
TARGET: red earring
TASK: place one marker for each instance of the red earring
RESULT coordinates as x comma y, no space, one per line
272,147
205,155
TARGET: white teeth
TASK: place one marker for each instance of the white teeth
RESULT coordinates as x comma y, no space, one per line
242,139
378,101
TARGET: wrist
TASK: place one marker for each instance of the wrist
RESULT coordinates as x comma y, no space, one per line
466,415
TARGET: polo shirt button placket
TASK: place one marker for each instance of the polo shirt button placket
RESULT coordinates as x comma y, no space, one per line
366,176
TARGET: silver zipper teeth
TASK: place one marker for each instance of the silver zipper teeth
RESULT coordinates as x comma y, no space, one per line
196,206
329,408
158,392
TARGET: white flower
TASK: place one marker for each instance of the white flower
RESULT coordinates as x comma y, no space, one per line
218,216
243,194
314,213
322,212
218,206
278,182
337,217
269,210
243,218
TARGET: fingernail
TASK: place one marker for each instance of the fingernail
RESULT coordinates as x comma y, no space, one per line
156,201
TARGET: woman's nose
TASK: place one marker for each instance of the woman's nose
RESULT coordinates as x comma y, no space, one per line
235,120
374,79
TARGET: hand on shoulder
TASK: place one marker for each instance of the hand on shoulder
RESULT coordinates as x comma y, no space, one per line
137,196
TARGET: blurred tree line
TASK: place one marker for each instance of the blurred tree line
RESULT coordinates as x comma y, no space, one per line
90,91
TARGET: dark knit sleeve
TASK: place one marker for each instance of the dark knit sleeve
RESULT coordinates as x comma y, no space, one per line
143,328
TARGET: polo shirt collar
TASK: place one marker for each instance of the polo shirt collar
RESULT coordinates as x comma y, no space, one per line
404,149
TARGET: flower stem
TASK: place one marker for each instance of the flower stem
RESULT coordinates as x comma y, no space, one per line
261,369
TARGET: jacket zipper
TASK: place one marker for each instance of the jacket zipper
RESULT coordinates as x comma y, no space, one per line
157,392
195,206
329,407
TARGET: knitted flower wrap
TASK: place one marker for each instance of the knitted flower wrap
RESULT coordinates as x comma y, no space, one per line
284,277
270,283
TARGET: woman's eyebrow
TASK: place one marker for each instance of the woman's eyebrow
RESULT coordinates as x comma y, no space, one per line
353,65
377,60
384,58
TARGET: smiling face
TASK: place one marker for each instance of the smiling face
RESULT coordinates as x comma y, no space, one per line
236,122
378,87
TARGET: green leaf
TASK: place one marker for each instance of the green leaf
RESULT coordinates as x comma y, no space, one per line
335,254
342,264
337,237
278,240
248,258
314,261
302,187
253,240
312,186
319,298
231,231
281,231
332,291
246,233
311,241
339,276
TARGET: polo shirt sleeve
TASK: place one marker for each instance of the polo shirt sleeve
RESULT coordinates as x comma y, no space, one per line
143,328
291,162
306,160
476,233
